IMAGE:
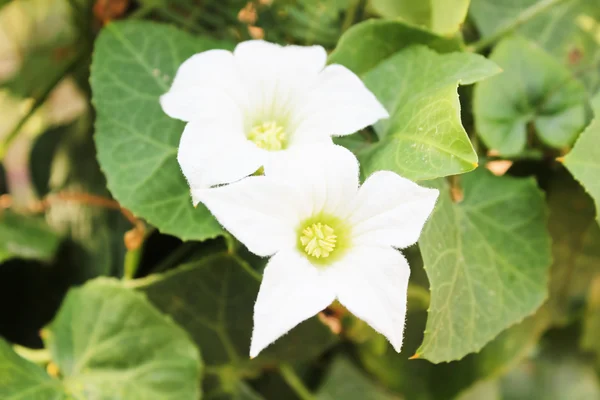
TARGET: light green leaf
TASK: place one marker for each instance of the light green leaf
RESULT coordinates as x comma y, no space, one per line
487,259
568,31
345,381
533,89
108,342
134,63
367,44
23,380
213,299
443,17
424,137
27,237
584,160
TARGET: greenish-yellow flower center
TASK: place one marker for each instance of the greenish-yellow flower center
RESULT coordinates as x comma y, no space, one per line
318,240
269,136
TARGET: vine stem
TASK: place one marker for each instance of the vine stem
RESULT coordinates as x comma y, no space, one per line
290,377
525,16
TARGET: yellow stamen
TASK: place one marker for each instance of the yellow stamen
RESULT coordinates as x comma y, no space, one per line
318,240
268,135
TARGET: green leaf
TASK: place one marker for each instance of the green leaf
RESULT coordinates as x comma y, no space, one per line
534,89
487,260
27,237
367,44
109,341
345,381
213,299
134,63
424,137
584,160
23,380
567,30
443,17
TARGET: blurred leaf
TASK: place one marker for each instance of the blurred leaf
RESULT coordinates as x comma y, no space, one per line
552,377
443,17
487,258
42,156
26,237
96,233
464,377
345,381
575,247
23,380
534,89
424,137
133,65
108,340
365,45
488,390
213,299
568,31
591,326
314,21
584,160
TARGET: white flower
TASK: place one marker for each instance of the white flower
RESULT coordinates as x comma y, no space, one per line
328,238
247,107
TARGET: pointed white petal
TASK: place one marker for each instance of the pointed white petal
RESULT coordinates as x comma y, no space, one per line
339,104
326,176
206,84
391,210
260,213
276,76
292,291
372,283
215,151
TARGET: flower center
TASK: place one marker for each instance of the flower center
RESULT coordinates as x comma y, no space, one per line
268,135
318,240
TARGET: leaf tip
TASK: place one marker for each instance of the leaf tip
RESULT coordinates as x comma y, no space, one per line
415,356
560,159
475,165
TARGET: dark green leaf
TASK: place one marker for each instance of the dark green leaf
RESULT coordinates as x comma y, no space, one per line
133,65
533,89
345,381
42,156
213,299
487,259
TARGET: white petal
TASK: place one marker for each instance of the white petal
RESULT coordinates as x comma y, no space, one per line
391,210
260,213
215,151
339,104
326,176
276,76
372,283
292,291
206,84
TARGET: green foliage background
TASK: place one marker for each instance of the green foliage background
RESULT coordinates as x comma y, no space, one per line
112,286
